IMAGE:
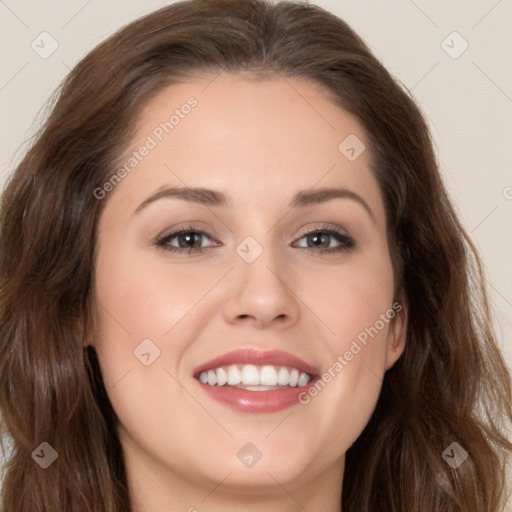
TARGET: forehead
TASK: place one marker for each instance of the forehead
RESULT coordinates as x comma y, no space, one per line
257,139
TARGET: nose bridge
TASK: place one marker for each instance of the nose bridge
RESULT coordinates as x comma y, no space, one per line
261,291
260,265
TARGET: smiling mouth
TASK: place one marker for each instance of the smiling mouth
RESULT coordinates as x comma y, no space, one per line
255,377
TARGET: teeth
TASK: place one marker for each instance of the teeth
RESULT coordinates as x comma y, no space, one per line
255,378
250,375
268,376
303,379
222,376
212,378
260,388
234,375
283,377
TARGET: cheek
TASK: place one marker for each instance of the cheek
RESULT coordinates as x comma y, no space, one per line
140,298
143,298
138,306
355,302
351,297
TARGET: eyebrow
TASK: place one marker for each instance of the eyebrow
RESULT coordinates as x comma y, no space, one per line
209,197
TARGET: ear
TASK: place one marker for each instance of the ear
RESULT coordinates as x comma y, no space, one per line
85,333
88,343
397,334
88,339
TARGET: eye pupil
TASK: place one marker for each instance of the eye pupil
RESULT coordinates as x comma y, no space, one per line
190,240
319,239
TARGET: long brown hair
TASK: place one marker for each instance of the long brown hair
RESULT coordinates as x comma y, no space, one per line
450,385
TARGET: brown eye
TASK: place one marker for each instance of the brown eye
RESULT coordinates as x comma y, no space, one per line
184,240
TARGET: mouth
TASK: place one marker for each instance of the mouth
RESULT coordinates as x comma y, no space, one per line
250,380
255,378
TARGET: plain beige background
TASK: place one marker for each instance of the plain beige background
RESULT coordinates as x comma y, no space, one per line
465,93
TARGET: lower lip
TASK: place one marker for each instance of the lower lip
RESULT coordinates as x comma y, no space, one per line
255,401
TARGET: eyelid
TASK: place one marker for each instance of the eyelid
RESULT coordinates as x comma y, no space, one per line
325,227
161,240
346,242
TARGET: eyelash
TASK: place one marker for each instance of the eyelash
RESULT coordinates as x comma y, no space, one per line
346,242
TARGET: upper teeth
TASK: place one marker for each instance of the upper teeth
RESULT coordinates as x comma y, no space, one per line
251,375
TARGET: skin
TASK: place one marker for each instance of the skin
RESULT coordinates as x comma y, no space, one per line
259,142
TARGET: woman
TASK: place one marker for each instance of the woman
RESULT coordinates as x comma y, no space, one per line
232,279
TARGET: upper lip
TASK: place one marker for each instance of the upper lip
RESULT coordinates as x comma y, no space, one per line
257,357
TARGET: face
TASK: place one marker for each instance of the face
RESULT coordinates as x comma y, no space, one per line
274,254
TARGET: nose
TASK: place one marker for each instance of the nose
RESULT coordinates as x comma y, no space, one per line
261,293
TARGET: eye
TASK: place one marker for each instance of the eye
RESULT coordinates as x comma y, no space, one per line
326,240
191,239
185,240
